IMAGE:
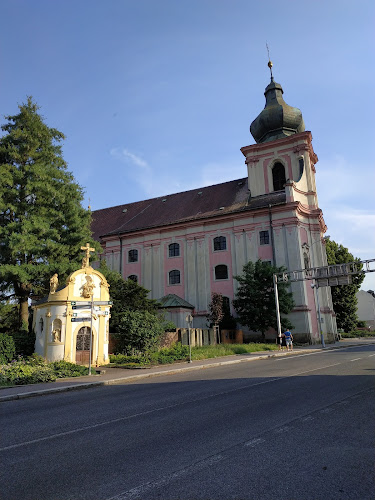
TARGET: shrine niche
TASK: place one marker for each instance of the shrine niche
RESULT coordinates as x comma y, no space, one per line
73,316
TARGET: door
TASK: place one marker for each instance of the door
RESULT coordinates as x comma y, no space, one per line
83,346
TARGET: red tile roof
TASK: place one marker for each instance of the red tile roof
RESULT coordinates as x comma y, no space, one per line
201,203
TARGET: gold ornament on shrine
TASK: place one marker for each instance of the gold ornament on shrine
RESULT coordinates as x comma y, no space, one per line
86,258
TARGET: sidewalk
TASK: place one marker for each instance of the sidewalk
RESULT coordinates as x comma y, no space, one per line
109,376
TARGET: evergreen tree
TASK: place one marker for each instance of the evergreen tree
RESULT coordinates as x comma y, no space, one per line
42,222
344,297
255,298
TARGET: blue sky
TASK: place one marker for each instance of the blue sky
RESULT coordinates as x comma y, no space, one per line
156,96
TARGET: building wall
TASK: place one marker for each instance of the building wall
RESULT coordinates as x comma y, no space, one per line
366,308
295,230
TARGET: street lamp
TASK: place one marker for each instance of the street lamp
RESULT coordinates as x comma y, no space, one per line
316,286
189,320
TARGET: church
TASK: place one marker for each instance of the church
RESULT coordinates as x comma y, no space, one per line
190,244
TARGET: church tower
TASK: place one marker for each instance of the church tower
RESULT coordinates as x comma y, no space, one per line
281,168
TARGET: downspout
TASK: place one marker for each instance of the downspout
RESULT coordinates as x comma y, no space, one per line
120,256
271,233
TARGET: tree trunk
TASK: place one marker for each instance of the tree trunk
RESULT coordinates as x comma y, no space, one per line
24,313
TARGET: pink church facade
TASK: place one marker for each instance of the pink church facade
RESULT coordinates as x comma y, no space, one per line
193,243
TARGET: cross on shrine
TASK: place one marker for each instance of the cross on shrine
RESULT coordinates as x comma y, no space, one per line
86,259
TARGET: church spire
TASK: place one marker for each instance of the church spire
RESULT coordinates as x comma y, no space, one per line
277,120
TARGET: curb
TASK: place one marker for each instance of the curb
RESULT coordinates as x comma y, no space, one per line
173,371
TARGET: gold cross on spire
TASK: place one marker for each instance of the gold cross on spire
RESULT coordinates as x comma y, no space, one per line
86,259
269,61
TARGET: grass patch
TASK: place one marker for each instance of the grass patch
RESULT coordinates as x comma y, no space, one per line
358,334
181,353
216,351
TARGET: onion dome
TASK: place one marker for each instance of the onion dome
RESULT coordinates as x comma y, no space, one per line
277,120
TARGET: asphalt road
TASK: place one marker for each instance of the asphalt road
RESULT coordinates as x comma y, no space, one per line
297,427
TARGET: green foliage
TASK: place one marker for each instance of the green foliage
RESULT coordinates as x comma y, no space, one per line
361,324
34,369
24,342
138,332
358,334
9,317
21,373
42,222
255,298
216,351
163,356
64,369
344,297
126,295
7,348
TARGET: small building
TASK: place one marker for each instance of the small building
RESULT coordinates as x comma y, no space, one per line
366,308
175,309
74,319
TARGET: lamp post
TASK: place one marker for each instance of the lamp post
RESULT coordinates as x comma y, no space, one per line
316,286
189,320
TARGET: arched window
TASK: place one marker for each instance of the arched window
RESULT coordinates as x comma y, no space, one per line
174,277
221,272
41,325
220,243
301,165
174,250
278,177
133,256
133,277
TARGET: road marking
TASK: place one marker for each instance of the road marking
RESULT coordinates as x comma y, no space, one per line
282,429
154,410
326,410
142,490
254,442
307,419
370,355
356,359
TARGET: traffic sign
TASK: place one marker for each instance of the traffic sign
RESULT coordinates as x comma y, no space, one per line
74,320
76,304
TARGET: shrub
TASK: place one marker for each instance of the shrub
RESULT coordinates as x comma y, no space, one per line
65,369
24,342
7,348
20,373
138,332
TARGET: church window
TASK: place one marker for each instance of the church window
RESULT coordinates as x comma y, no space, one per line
133,277
226,304
174,250
264,237
174,277
220,243
278,176
301,167
41,325
221,272
133,256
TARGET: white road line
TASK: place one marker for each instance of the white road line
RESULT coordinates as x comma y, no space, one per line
254,442
282,429
141,491
307,419
356,359
370,355
148,412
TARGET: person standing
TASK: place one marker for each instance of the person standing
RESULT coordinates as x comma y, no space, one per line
289,340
